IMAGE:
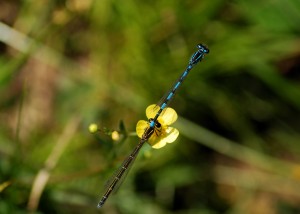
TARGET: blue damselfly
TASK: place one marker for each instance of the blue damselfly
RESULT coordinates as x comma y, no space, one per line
153,123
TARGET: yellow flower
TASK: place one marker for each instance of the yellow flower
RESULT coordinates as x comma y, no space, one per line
93,128
115,136
162,134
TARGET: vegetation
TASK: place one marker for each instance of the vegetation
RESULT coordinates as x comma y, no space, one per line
67,64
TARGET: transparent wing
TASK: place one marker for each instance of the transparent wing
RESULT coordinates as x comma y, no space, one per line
117,179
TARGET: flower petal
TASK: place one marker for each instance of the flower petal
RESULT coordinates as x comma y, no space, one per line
169,136
152,110
156,142
141,126
159,145
168,117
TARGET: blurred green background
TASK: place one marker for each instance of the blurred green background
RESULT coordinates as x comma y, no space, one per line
66,64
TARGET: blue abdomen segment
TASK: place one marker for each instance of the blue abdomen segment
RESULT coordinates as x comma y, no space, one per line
199,55
195,58
170,96
176,86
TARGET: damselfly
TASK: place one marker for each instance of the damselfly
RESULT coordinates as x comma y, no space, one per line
154,125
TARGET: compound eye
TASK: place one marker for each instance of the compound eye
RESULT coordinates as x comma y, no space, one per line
158,125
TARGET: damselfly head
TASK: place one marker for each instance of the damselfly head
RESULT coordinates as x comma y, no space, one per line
157,124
